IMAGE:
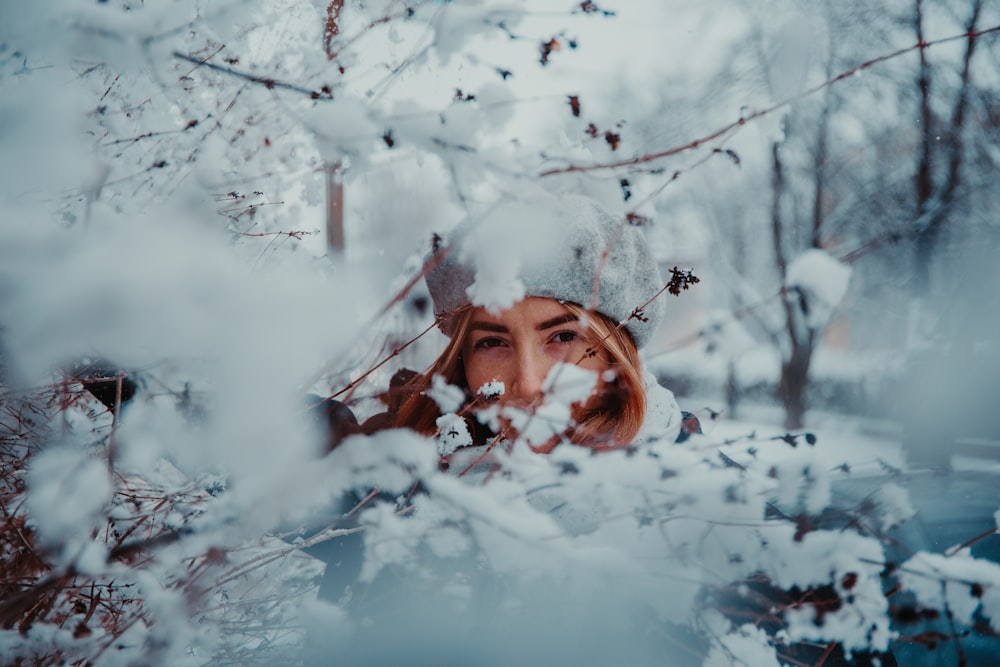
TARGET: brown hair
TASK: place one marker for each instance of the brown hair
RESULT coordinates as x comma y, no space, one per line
610,425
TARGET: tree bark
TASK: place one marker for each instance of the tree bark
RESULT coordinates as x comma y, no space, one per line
935,203
794,380
795,363
334,209
933,208
777,188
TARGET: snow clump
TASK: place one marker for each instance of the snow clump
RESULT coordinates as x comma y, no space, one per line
749,642
449,398
68,491
820,282
508,242
495,389
895,505
957,582
453,433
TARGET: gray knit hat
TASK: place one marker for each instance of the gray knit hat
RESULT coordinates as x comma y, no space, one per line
550,246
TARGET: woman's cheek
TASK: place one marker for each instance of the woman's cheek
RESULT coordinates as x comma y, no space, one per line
569,353
484,366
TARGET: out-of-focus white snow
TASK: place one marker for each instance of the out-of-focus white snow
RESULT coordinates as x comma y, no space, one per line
839,443
448,397
821,281
496,247
957,582
663,416
894,501
748,644
861,622
816,282
794,50
725,335
67,491
567,383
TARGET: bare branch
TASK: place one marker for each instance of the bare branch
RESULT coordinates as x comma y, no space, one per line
267,82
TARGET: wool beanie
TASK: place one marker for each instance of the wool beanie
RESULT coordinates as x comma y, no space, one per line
550,246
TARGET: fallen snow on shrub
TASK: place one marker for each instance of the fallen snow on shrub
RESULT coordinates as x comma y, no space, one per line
816,282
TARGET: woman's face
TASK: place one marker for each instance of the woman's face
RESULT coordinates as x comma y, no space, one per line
521,345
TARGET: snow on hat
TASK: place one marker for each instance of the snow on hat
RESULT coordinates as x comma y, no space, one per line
552,247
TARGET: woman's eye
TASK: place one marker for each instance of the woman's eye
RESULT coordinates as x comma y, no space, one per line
565,337
489,342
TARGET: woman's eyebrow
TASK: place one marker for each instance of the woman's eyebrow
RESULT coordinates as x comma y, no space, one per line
556,321
488,326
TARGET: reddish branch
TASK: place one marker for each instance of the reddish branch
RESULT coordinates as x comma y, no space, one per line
384,361
428,267
203,61
332,27
108,90
439,255
743,120
971,541
331,54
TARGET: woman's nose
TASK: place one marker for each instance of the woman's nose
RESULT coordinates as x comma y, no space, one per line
530,371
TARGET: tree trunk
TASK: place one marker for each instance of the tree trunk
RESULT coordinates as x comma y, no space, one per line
334,209
795,381
795,366
934,201
732,389
923,183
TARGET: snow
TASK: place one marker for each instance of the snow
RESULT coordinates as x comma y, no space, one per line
836,557
747,646
795,49
958,582
449,398
568,383
895,504
492,389
663,415
344,126
564,385
453,433
820,282
68,489
494,246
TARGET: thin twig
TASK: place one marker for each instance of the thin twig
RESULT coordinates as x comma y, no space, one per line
267,82
395,353
203,61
